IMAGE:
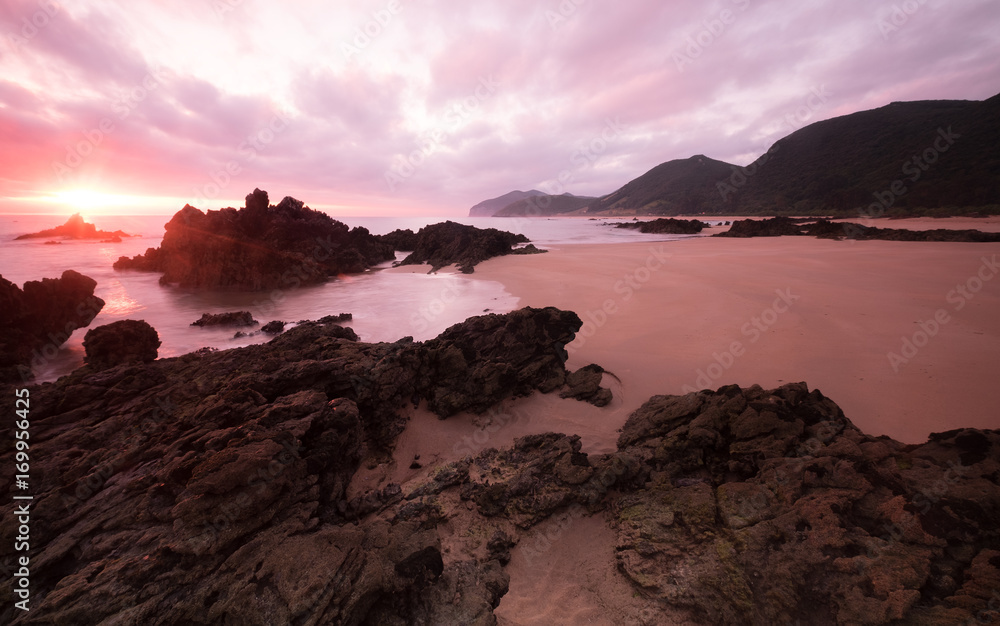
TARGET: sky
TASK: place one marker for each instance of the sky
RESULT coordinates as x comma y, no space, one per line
426,107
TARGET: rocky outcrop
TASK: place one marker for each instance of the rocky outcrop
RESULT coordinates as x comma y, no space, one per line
400,239
35,321
666,226
76,228
449,242
232,318
825,229
764,507
257,247
121,342
211,488
773,227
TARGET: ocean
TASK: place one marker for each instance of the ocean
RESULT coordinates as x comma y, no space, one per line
386,306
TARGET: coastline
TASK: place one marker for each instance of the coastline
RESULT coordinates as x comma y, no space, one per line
659,315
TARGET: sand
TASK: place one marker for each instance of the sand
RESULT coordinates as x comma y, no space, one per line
667,317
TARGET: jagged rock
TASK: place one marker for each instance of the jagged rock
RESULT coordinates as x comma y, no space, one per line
776,509
124,341
233,318
257,247
449,242
76,228
825,229
211,487
585,384
275,327
773,227
670,226
36,321
400,239
335,319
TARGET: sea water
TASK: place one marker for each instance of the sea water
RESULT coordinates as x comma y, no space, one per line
386,306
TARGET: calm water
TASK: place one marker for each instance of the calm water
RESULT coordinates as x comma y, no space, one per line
386,306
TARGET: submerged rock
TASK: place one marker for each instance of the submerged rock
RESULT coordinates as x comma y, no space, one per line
35,321
233,318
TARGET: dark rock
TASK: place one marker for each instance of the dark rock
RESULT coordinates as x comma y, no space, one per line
234,318
585,384
36,321
449,242
336,319
400,239
211,487
778,509
125,341
76,228
773,227
258,247
670,226
275,327
825,229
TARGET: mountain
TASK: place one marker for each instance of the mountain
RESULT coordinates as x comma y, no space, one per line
682,186
488,208
545,204
904,157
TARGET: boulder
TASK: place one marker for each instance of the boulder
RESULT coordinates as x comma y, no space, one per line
233,318
117,343
450,243
35,321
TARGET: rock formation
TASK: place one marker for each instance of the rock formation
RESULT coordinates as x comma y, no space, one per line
825,229
449,242
213,488
400,239
258,247
670,226
76,228
36,321
232,318
121,342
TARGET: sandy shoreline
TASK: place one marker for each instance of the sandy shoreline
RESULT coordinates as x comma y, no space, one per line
664,317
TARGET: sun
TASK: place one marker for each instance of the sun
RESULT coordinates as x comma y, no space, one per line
85,199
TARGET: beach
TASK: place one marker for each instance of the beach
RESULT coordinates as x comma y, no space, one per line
663,318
